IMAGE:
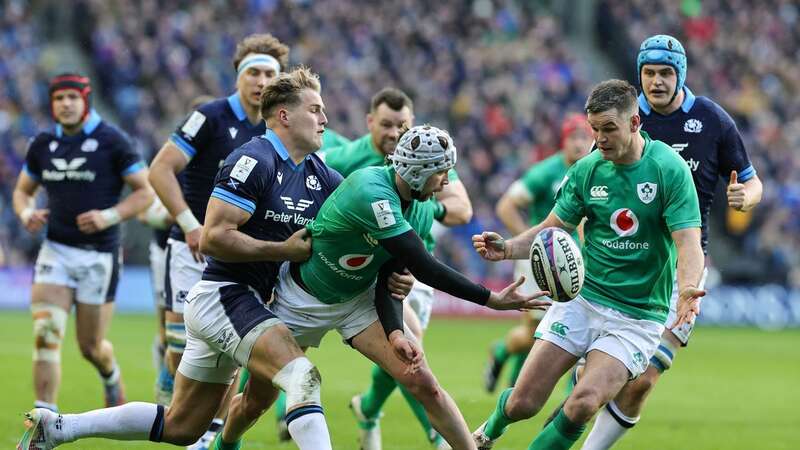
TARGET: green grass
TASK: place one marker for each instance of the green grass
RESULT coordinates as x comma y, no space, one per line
732,389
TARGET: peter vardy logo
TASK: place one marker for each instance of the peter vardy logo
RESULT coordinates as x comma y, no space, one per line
68,170
599,192
300,206
624,222
693,126
559,329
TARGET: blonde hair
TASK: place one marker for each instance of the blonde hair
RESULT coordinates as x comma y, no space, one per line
286,88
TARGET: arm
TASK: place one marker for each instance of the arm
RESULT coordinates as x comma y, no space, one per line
455,201
493,247
690,271
390,311
138,200
222,239
24,203
409,249
744,196
509,206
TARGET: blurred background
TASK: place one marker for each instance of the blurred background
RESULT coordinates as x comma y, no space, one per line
499,74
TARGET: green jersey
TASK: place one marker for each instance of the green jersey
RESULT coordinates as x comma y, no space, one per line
630,212
362,153
332,139
542,181
345,253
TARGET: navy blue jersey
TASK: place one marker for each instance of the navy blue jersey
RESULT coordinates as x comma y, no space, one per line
282,197
707,139
207,137
81,173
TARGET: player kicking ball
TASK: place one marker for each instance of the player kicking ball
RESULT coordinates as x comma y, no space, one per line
631,237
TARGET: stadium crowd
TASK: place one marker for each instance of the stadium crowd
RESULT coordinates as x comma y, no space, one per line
497,73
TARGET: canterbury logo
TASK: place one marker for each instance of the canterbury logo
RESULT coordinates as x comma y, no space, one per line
63,165
599,192
559,329
301,205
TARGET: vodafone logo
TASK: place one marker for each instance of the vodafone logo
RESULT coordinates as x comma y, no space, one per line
624,222
355,261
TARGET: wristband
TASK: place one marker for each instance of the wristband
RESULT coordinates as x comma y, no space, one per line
157,215
187,221
439,210
110,216
26,214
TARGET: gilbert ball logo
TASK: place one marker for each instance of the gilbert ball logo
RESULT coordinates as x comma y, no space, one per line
355,261
624,222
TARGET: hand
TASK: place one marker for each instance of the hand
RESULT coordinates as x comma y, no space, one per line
298,246
407,350
400,284
193,241
688,306
737,194
509,298
91,221
35,220
491,246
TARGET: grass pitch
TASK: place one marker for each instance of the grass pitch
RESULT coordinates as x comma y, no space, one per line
731,389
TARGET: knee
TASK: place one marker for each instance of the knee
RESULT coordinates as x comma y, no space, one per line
49,324
90,350
421,384
583,404
638,389
521,408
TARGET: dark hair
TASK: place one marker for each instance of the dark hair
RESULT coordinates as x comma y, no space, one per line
261,43
393,97
612,94
285,90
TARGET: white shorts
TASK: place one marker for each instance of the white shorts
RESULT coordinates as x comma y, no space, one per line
685,331
522,267
223,321
420,299
182,273
158,266
93,275
310,319
579,326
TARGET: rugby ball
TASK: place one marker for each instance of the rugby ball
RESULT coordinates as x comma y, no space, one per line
557,264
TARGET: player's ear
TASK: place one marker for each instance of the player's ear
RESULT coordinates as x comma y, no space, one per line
370,119
283,117
636,122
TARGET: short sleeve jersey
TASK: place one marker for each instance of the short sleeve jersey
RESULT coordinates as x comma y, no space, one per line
281,196
362,153
332,139
630,212
206,138
542,181
345,252
707,139
82,172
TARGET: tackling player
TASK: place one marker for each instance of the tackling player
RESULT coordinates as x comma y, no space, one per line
536,191
365,230
79,261
708,140
391,111
649,211
182,175
263,196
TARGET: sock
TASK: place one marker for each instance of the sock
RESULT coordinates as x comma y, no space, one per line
498,421
420,414
134,421
280,407
609,426
40,404
517,361
216,425
244,376
380,389
560,434
308,428
500,352
111,378
219,444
